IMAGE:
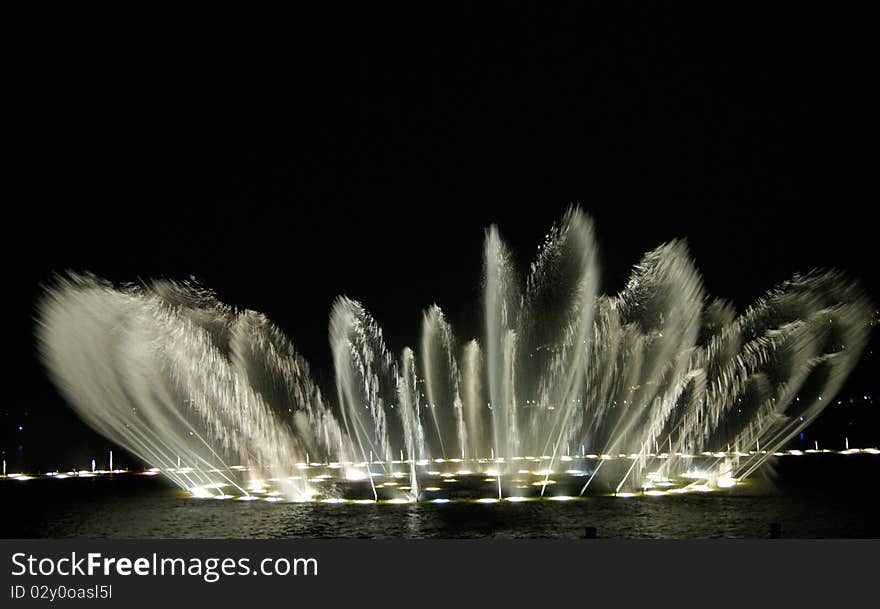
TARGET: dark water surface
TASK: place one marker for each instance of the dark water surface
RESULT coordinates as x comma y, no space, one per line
809,500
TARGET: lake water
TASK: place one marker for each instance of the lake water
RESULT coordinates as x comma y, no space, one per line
810,498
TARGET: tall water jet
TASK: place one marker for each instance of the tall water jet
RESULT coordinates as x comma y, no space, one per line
408,400
556,325
476,410
500,302
661,304
365,376
442,381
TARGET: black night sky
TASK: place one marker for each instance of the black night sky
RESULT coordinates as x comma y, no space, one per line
284,159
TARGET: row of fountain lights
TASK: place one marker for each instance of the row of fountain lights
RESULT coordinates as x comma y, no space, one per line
655,486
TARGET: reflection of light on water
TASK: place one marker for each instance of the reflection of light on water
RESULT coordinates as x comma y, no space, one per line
624,495
725,482
439,500
516,499
655,493
560,498
487,500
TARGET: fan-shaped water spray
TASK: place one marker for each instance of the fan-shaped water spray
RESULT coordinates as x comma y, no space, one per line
656,374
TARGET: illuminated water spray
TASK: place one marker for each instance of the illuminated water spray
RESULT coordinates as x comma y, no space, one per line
657,373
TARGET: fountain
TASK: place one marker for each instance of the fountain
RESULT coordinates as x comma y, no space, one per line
658,387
